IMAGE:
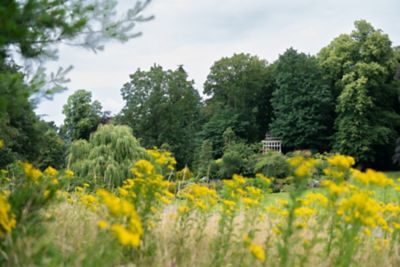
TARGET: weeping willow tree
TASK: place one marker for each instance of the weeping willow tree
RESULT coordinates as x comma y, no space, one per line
108,155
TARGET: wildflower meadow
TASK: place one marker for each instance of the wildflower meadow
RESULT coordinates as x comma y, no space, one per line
53,218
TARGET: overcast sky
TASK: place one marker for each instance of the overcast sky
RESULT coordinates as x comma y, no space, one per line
196,33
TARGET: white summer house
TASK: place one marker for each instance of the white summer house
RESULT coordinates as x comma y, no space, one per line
271,143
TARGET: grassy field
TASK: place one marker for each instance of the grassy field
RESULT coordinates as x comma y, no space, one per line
59,221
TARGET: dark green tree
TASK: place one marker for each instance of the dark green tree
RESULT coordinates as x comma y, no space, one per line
82,116
361,67
162,107
26,137
52,148
214,128
242,86
302,103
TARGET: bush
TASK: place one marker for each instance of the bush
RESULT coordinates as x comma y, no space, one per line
272,164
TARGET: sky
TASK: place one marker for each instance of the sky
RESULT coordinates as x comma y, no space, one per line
196,33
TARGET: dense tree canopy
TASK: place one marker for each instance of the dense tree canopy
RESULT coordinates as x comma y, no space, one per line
240,88
162,107
361,67
26,137
82,116
302,103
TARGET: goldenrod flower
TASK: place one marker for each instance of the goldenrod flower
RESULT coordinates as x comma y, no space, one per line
341,161
31,172
257,251
7,218
304,212
239,179
183,209
102,224
125,237
142,167
69,173
50,171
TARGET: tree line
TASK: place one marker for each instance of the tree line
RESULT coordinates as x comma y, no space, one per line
343,99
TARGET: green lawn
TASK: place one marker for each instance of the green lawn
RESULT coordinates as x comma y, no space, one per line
393,174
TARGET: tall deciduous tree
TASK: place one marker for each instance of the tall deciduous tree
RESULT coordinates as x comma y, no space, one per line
240,89
82,116
302,103
162,107
361,67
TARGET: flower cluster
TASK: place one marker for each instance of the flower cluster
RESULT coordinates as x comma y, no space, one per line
121,219
162,158
7,218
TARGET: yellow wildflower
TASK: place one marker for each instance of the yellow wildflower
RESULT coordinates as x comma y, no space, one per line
69,173
304,211
305,167
239,179
295,161
257,251
50,171
31,172
46,194
263,178
125,237
341,161
183,209
1,143
102,224
142,167
7,218
312,197
229,203
250,202
123,192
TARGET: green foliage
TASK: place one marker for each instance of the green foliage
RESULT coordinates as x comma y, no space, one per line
205,158
240,88
107,157
82,116
33,29
26,137
52,148
361,67
272,164
163,107
302,103
214,128
238,157
30,192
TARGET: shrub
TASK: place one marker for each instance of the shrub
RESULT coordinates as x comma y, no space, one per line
272,164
